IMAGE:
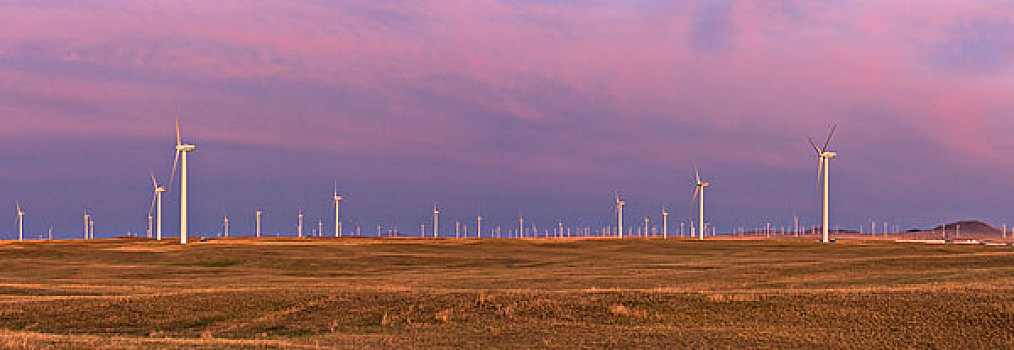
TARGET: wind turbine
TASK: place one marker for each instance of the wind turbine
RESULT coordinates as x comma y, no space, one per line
156,206
337,201
824,161
478,229
225,225
21,223
619,213
436,220
521,227
699,190
665,223
259,213
645,226
299,226
181,152
86,218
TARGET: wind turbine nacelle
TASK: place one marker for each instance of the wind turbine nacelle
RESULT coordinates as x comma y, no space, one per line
186,148
830,155
705,184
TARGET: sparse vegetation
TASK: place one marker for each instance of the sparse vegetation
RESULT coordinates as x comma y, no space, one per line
365,293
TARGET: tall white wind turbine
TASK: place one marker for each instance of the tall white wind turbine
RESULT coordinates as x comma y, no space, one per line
21,223
156,207
823,169
699,198
181,158
619,213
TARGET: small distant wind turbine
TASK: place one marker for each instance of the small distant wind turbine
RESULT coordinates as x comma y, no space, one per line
619,213
478,227
521,226
156,206
21,223
699,190
86,226
225,226
259,213
181,157
336,202
299,226
665,223
823,168
436,221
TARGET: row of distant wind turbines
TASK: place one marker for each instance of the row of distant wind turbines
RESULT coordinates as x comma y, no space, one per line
183,149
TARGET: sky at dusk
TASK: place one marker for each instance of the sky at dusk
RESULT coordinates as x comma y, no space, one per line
505,108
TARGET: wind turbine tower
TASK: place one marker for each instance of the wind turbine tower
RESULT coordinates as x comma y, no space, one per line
225,225
665,223
478,227
86,218
156,206
181,157
259,213
823,168
337,211
21,223
619,214
299,226
436,221
699,190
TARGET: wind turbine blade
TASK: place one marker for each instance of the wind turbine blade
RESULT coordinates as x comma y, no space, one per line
179,139
172,174
829,136
820,171
814,144
697,174
697,190
19,207
151,209
153,181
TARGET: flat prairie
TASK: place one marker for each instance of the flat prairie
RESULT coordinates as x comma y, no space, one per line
411,293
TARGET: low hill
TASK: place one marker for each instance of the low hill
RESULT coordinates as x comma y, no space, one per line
970,228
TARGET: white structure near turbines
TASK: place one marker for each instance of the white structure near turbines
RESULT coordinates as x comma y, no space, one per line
181,158
699,191
823,168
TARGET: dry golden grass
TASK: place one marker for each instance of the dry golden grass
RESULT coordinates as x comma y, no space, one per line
405,293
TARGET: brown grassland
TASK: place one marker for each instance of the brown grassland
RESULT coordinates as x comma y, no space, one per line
404,293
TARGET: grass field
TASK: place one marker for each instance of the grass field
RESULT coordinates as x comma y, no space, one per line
368,293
